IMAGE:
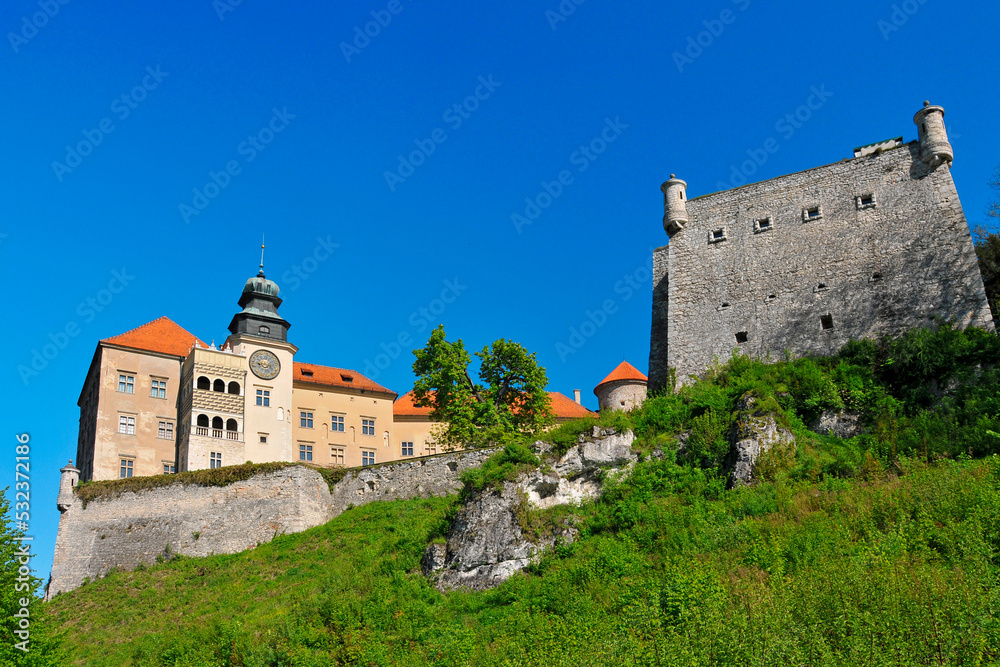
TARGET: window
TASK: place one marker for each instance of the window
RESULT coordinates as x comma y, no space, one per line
821,287
169,468
826,321
216,460
158,388
812,213
264,330
724,306
219,386
717,235
431,450
204,383
305,452
337,456
263,438
865,201
126,468
264,398
407,449
762,225
876,277
234,388
126,425
367,427
126,384
165,430
367,458
742,336
306,419
337,423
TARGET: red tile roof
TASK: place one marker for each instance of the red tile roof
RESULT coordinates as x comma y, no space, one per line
562,406
162,335
335,377
404,407
625,371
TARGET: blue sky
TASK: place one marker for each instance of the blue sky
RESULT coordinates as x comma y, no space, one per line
160,140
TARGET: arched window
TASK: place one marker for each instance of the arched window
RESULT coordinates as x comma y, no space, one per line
234,388
231,425
203,420
217,423
281,414
219,385
204,383
264,330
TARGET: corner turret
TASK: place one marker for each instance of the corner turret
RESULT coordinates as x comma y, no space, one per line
67,482
675,215
934,145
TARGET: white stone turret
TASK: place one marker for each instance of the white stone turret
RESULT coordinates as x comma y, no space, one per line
67,482
934,145
675,214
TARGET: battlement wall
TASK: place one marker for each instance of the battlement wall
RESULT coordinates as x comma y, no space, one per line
803,263
137,527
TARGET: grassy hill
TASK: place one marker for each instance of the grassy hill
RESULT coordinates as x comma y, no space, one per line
879,550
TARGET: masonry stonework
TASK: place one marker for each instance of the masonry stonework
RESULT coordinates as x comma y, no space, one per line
138,527
869,246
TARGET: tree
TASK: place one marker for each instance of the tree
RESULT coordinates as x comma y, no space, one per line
509,400
17,586
988,251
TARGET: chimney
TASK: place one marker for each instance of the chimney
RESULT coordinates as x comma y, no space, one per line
576,396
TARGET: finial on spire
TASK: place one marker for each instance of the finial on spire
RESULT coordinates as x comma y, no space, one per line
261,272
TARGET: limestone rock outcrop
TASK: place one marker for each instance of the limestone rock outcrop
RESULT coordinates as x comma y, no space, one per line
754,431
487,542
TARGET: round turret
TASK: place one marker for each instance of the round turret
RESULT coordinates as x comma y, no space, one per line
934,145
261,285
675,215
623,389
68,480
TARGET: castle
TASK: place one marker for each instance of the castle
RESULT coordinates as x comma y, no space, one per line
873,245
158,400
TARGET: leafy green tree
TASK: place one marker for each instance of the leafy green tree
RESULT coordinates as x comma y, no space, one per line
508,400
36,646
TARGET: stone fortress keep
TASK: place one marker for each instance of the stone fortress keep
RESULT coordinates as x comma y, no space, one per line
875,244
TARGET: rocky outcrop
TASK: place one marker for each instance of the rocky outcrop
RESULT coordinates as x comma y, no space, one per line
488,541
844,424
753,432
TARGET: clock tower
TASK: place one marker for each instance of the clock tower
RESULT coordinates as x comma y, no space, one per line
260,335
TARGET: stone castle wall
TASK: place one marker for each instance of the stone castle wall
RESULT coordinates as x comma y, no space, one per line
862,269
137,527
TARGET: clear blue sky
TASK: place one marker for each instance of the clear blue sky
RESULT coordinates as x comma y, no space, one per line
209,78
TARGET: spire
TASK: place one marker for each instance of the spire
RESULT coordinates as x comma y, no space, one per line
261,272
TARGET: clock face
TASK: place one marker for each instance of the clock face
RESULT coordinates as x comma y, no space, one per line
265,365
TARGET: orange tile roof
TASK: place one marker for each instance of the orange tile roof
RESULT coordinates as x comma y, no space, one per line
625,371
405,407
162,335
335,377
562,406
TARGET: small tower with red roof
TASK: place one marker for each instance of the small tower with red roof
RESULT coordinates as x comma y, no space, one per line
623,389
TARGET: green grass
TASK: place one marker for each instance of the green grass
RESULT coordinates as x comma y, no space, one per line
879,550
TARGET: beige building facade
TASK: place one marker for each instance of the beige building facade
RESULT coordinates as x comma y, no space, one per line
158,400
